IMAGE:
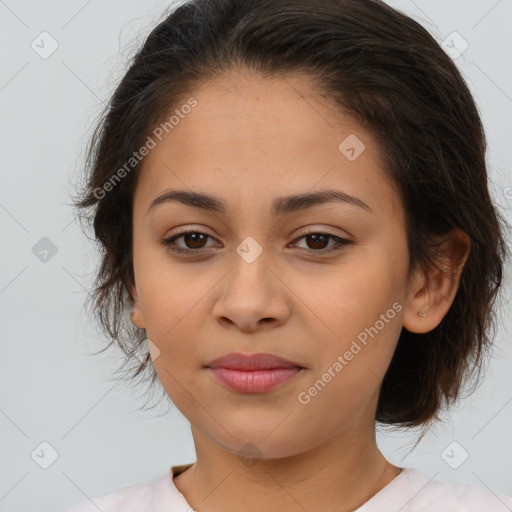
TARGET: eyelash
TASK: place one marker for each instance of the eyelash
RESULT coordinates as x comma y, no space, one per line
340,242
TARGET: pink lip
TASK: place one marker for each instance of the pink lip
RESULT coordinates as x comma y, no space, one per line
253,381
239,361
253,373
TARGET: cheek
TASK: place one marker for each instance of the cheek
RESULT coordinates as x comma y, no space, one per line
360,312
350,299
169,292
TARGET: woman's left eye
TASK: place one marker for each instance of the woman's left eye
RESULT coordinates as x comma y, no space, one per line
194,242
317,239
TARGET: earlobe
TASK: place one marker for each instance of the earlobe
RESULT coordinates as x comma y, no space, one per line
136,314
434,293
418,314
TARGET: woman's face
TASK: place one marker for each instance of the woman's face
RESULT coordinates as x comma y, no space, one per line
255,283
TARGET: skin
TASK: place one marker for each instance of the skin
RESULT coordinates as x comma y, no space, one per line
248,141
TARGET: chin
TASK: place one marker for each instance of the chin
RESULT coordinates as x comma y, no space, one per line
254,441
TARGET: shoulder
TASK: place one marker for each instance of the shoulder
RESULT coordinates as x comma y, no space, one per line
434,495
133,498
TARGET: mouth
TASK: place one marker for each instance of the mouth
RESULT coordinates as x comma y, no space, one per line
253,373
254,381
248,362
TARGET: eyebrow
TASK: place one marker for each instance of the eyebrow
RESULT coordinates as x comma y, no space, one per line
281,205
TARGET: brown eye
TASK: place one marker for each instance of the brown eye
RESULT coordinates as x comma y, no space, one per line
318,242
194,241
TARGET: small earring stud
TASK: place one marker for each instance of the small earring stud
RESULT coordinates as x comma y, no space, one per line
422,314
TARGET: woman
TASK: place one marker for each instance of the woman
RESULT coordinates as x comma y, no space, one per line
293,206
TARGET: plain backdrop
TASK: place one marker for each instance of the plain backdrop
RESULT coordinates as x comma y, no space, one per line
61,407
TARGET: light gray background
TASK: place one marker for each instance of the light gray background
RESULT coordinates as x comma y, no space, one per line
51,390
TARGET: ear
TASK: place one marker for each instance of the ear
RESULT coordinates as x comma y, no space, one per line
137,315
433,294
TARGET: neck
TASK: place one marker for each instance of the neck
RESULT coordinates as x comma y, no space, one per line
341,475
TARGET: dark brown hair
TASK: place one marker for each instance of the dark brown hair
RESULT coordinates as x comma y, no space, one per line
388,73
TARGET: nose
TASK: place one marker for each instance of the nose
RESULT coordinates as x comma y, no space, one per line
252,296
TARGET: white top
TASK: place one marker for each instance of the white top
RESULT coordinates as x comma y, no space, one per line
410,491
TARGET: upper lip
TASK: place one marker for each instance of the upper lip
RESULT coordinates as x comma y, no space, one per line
238,361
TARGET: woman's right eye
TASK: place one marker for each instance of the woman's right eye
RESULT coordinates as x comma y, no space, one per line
190,237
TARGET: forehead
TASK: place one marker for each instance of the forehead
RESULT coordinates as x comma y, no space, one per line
250,138
262,113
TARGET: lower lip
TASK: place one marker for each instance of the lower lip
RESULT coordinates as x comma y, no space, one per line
253,381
